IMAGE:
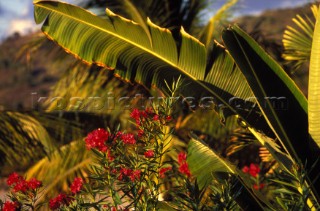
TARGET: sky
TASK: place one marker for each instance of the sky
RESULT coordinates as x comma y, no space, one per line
17,15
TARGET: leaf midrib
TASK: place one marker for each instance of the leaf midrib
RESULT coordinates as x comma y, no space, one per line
138,46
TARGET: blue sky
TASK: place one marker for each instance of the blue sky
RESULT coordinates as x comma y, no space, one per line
17,15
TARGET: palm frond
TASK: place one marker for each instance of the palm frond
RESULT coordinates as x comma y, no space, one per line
23,139
198,122
64,165
297,41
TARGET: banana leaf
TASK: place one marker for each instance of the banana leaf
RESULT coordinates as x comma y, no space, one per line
123,46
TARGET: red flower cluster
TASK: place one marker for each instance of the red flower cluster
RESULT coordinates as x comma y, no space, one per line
10,206
59,201
162,171
253,169
76,185
149,153
140,116
183,165
135,114
128,138
21,185
97,139
133,175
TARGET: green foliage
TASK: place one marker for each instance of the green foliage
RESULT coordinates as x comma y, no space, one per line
297,40
145,53
314,87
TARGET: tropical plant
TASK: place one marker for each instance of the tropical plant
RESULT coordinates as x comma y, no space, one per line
62,134
279,121
297,40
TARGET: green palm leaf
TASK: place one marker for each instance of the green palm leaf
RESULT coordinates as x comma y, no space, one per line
207,165
297,41
314,86
202,159
64,165
21,135
134,56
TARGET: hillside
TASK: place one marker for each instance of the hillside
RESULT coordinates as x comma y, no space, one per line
35,72
268,29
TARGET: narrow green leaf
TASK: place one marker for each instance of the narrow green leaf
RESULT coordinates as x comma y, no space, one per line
268,81
271,86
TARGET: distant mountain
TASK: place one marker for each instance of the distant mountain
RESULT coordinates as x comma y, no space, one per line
26,79
272,23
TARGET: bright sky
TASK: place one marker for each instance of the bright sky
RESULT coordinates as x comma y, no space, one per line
17,15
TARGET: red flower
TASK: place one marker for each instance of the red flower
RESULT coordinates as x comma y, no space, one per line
258,187
168,118
10,206
162,171
182,157
253,169
14,178
184,169
135,175
33,183
113,171
128,138
135,114
97,139
21,186
155,117
245,169
140,133
125,171
149,153
113,209
76,185
60,200
143,114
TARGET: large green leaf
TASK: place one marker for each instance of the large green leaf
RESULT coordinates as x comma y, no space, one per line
314,86
123,45
268,80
